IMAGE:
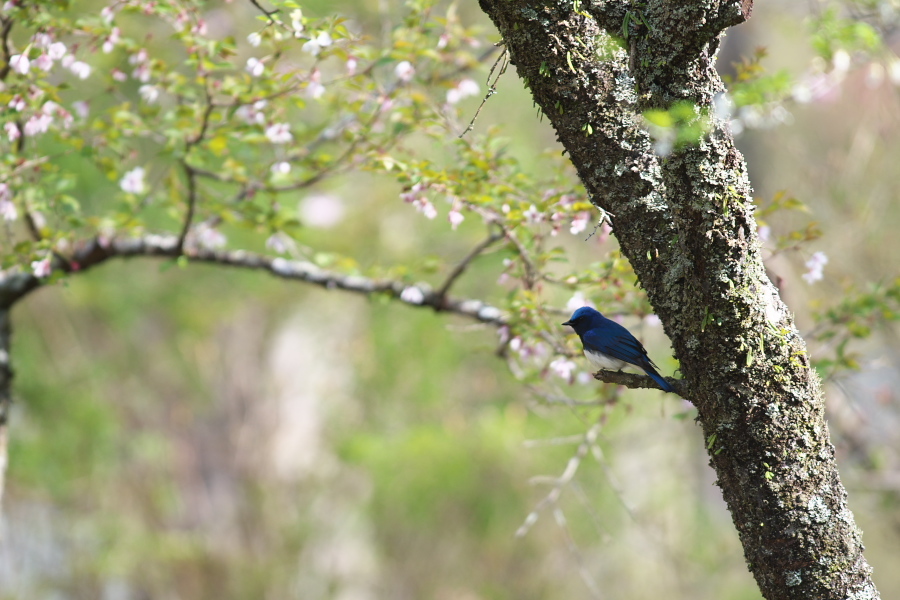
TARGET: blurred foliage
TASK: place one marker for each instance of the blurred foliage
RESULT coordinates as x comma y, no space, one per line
182,430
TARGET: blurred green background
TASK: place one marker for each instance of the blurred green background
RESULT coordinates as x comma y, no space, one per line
208,433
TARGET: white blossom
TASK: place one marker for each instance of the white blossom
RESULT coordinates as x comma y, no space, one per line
149,93
464,89
133,181
564,368
20,63
82,70
254,39
255,67
404,71
315,45
12,131
814,266
279,133
455,217
57,50
412,295
41,268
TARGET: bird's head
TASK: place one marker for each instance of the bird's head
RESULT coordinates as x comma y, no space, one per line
583,319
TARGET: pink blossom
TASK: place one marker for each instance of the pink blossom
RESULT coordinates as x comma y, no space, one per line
199,28
351,65
580,222
20,63
82,108
111,41
12,131
764,232
208,237
564,368
443,40
37,124
315,89
41,268
44,62
142,73
8,209
584,378
455,217
404,71
119,75
464,89
57,50
17,103
424,206
252,113
533,215
814,266
279,133
133,181
107,14
138,58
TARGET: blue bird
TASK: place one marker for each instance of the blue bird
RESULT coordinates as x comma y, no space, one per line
608,345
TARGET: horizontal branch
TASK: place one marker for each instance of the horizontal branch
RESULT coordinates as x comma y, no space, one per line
634,381
15,285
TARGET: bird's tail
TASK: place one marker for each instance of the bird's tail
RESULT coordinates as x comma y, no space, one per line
665,385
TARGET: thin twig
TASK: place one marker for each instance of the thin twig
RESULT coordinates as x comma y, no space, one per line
191,205
562,481
492,87
268,13
464,263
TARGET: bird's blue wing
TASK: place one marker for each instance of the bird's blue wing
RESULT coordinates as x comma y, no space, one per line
617,343
614,340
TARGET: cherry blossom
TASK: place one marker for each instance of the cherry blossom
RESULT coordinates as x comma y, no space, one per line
464,89
255,67
41,268
412,295
315,45
149,93
208,237
564,368
404,71
279,133
12,131
254,39
580,222
20,63
57,50
814,266
82,70
133,181
455,217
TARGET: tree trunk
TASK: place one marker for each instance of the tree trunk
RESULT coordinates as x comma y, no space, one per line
686,224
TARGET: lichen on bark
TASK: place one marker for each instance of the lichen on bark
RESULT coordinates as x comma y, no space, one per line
685,221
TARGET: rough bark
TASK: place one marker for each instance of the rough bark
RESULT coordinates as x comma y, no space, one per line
686,224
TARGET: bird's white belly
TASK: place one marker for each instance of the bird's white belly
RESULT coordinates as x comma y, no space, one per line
604,361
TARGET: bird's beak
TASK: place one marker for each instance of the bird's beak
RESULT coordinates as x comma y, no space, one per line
569,323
